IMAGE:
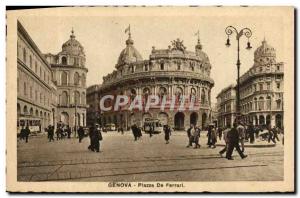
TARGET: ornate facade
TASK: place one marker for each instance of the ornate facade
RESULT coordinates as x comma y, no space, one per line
69,75
262,88
169,72
36,93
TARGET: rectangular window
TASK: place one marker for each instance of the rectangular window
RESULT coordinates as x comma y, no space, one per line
36,95
25,89
278,85
30,92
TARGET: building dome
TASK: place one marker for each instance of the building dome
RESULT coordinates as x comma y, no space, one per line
265,53
203,56
129,54
72,46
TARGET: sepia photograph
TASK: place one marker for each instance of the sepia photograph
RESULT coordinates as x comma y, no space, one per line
150,99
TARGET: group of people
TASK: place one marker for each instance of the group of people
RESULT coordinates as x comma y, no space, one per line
233,137
61,132
193,134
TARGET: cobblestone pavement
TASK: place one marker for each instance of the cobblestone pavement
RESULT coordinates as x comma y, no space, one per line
148,159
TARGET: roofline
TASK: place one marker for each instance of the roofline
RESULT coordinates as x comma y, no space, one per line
24,33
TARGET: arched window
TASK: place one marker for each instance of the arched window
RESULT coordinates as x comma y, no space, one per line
268,102
76,97
64,98
24,55
255,103
203,96
193,94
146,68
132,94
261,103
64,78
83,98
83,80
278,103
64,60
76,78
25,110
162,92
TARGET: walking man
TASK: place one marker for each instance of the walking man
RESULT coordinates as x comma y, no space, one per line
190,133
241,130
167,131
196,137
233,142
189,136
225,132
80,133
27,132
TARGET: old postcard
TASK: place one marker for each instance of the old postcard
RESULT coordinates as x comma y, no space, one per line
150,99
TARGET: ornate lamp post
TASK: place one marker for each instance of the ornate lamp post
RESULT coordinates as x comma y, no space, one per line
247,33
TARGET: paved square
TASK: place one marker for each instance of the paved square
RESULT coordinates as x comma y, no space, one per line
148,159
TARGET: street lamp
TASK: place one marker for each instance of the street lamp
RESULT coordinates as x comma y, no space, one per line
247,33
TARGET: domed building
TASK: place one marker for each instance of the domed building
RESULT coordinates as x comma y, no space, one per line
262,88
69,75
173,72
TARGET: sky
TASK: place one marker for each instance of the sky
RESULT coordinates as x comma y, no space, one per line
103,38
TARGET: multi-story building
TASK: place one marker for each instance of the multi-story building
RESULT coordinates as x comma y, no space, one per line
261,91
69,76
261,88
226,106
93,101
169,72
35,89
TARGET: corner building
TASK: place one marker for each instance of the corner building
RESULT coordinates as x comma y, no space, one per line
169,72
261,89
69,75
36,93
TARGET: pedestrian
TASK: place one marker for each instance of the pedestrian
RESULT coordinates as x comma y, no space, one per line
275,133
134,131
80,133
213,136
233,143
196,137
220,133
241,130
69,131
251,132
27,132
225,132
191,133
151,131
22,133
189,136
91,135
51,133
97,137
209,142
167,131
271,135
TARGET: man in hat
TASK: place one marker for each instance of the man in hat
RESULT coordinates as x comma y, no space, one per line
233,142
241,130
